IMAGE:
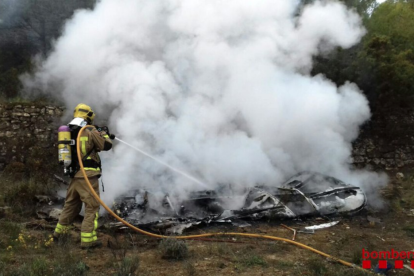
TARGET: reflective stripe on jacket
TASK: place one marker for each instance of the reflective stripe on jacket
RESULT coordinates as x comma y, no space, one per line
93,141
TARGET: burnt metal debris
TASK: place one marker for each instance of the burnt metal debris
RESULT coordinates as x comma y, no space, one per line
306,194
49,207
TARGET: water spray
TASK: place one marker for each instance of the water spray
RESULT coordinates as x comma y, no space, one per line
165,164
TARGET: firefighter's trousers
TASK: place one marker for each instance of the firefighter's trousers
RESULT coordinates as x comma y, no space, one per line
77,193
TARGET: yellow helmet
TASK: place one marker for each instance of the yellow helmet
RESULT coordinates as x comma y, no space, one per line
84,111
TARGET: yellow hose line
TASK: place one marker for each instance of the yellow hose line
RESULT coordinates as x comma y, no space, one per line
201,235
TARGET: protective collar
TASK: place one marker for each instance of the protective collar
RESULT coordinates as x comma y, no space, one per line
78,122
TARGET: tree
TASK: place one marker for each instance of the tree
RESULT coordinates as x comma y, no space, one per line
382,65
27,28
395,20
389,45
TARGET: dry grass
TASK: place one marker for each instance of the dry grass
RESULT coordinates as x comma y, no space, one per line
407,190
134,254
124,262
125,257
20,182
35,255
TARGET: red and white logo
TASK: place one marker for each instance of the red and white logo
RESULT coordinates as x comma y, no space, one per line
397,256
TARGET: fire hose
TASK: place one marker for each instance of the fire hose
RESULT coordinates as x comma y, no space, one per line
95,195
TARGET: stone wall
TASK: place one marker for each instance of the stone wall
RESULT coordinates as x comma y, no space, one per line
380,154
25,126
384,143
387,141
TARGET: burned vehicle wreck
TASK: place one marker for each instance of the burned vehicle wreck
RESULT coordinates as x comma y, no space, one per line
306,194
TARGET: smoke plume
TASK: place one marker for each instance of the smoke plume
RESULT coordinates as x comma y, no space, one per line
219,89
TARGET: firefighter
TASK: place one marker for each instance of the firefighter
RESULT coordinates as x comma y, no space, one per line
92,141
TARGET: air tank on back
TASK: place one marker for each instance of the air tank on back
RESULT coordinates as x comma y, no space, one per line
64,148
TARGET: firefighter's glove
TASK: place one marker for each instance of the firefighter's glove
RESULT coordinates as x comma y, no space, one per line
106,130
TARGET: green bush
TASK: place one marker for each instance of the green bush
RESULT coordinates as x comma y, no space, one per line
10,229
76,269
316,267
173,249
69,265
39,267
127,266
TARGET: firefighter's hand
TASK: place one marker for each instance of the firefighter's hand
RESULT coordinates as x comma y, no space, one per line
105,130
111,136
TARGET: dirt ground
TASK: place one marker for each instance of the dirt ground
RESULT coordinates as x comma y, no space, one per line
129,253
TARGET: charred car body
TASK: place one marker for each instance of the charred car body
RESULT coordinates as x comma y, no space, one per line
305,194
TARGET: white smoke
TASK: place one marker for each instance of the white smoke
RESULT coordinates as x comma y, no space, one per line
218,89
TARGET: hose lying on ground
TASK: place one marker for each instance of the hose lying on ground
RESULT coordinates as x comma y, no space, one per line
201,235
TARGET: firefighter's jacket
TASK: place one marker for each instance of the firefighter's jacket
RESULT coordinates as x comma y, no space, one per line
91,142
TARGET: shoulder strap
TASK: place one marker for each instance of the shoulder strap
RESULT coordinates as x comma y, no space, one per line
87,155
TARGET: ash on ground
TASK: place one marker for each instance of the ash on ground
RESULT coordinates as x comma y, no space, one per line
304,195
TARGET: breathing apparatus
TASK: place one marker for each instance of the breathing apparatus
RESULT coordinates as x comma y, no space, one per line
64,148
66,145
67,134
